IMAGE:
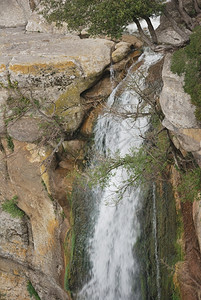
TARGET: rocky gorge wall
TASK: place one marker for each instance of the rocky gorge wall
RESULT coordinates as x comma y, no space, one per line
51,88
59,82
186,130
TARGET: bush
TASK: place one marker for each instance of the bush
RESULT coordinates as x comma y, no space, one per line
11,207
187,61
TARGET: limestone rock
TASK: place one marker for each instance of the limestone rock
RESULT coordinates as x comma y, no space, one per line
169,36
25,129
132,40
179,112
14,13
14,238
74,149
100,91
121,51
175,103
54,69
25,176
13,281
37,23
87,127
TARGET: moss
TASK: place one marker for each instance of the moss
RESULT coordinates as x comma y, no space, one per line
10,206
32,291
167,236
77,258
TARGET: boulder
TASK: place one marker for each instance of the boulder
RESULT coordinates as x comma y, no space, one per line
132,40
169,36
121,51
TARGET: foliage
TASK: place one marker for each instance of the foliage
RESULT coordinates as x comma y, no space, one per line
10,142
187,61
32,291
101,17
50,124
143,166
11,207
190,185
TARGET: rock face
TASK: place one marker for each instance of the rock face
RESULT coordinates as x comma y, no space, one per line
45,79
181,121
179,112
14,13
31,245
54,69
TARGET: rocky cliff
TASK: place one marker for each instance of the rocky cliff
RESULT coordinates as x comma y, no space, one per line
186,130
51,88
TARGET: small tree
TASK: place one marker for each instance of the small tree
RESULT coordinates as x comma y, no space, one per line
102,16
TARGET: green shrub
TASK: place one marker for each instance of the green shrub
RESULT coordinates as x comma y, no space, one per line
32,291
187,61
190,186
11,207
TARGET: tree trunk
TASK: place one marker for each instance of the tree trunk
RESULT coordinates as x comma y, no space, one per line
196,6
187,19
151,30
175,26
142,34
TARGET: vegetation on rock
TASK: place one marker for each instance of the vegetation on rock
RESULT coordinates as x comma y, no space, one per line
111,17
187,61
11,207
32,291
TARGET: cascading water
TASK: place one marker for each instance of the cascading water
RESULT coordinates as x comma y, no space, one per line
114,267
156,244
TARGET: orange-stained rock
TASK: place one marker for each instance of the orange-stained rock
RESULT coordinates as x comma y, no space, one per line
87,127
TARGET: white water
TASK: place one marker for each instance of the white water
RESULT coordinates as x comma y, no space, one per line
158,278
116,230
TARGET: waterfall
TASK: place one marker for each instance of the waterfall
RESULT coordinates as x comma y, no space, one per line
156,244
116,228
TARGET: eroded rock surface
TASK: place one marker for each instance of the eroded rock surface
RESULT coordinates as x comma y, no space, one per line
19,10
53,69
31,244
178,110
181,121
